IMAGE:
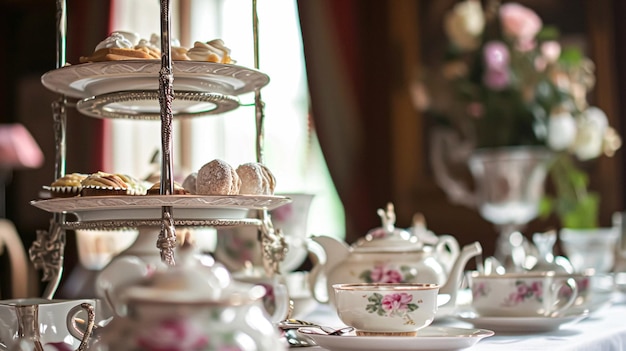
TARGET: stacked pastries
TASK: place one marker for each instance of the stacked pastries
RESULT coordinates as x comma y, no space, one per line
214,178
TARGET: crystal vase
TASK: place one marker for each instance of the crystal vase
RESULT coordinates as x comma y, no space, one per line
508,185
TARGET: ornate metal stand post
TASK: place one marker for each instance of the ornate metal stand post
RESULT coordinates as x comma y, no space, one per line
272,240
48,250
167,238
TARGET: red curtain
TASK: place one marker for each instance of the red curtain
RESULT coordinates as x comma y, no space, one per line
345,55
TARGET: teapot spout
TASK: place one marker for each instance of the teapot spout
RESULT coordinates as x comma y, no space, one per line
454,278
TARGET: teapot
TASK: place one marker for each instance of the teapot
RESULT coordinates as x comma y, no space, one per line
385,255
189,306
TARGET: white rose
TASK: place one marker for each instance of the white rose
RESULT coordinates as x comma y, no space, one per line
590,137
465,23
561,131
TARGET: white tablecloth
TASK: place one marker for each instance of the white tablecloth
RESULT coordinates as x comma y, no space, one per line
602,330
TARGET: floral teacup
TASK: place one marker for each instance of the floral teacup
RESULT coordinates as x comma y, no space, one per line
398,309
530,294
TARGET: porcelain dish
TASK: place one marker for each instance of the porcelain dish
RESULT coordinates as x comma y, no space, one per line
149,206
97,78
520,325
431,338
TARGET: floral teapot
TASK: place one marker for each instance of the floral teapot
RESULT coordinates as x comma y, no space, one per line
385,255
190,306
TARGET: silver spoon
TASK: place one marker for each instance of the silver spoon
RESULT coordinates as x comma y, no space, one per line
294,339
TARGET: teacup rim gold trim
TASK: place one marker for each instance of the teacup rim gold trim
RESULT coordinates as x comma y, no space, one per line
385,286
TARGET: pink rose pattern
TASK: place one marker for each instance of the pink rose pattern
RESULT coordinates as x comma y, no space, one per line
392,305
382,273
181,335
524,292
480,290
172,335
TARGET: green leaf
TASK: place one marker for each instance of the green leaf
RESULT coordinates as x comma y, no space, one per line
571,56
584,214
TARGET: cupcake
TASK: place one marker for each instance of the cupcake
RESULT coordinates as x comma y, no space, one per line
102,183
67,186
190,183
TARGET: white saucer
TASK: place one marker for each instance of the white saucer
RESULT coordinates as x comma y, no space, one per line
430,338
520,324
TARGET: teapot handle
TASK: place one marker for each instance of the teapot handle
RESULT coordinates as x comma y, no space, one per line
73,328
447,244
317,275
446,145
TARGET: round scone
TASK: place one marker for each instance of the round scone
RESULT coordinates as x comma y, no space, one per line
189,183
217,178
256,179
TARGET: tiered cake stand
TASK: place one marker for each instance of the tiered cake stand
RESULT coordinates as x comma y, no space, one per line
130,90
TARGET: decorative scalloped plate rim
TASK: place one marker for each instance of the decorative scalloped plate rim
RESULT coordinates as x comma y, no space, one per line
109,207
90,79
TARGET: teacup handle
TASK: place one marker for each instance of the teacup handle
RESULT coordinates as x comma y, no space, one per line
73,328
556,288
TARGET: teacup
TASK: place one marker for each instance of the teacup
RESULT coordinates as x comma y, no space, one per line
525,294
390,309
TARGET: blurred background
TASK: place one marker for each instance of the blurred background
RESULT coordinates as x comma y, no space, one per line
361,141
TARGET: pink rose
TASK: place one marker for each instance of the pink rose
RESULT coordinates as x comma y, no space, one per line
496,79
380,274
173,335
521,23
396,302
496,55
551,50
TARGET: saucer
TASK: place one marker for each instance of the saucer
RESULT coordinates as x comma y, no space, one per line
430,338
520,324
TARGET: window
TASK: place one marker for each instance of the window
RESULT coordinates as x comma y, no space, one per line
291,149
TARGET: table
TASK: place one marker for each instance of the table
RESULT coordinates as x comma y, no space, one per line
602,330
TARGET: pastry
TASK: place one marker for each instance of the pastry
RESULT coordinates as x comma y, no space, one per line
190,182
67,186
102,183
256,179
217,178
155,189
135,186
212,51
121,46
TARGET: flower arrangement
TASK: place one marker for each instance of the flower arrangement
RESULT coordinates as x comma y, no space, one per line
507,81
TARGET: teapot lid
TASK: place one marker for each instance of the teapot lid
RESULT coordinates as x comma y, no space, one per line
192,281
387,237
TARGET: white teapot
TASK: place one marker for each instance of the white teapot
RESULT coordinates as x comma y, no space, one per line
386,254
190,306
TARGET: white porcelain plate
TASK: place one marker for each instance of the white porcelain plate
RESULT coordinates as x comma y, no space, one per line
91,208
431,338
92,79
520,324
